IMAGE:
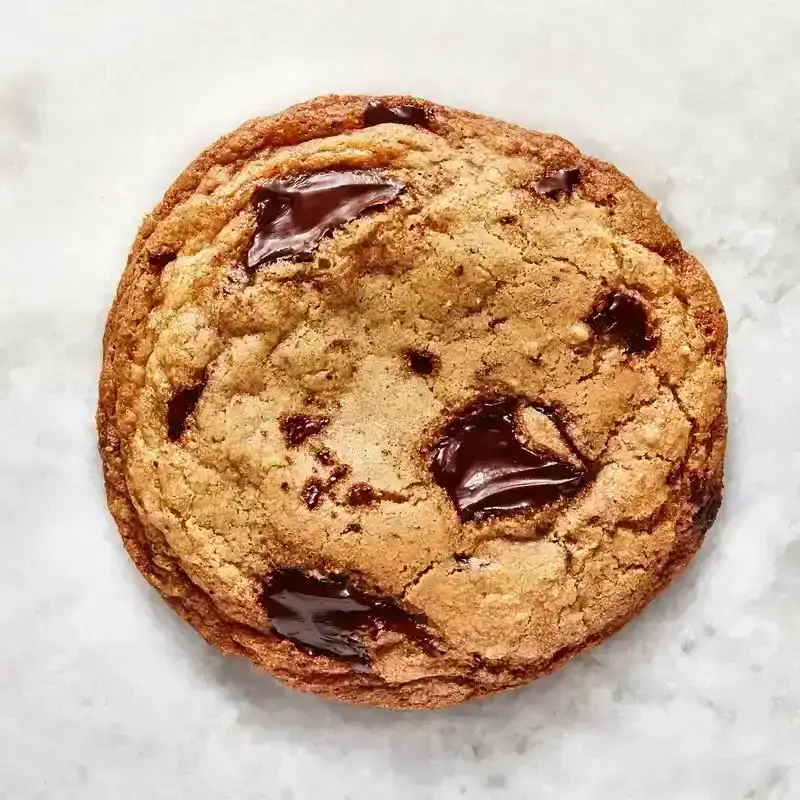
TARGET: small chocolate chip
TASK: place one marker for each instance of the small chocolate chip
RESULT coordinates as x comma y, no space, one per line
336,475
423,362
312,493
352,527
180,408
285,486
558,423
562,181
608,201
315,489
299,427
623,317
378,112
160,259
706,510
325,457
361,494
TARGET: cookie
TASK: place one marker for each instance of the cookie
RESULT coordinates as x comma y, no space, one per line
407,405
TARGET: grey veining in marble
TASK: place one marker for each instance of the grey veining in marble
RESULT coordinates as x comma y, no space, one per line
103,693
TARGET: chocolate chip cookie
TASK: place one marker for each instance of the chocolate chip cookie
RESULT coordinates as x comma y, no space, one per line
408,405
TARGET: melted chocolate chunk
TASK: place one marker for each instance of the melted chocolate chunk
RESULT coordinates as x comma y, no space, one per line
294,214
181,406
160,260
487,471
623,317
552,414
361,494
423,362
562,181
299,427
332,616
378,112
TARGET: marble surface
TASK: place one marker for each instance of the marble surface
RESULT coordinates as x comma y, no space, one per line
103,693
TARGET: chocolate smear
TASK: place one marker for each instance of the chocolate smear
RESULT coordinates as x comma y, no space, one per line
293,214
332,616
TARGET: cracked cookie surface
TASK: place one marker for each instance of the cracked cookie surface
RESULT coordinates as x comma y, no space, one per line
408,405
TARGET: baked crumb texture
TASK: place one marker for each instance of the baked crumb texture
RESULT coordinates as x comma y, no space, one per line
424,448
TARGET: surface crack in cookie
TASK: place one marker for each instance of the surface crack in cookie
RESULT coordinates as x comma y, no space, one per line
542,261
555,416
418,577
623,567
159,259
619,424
665,384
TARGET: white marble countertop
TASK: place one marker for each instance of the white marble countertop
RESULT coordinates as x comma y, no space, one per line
103,692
